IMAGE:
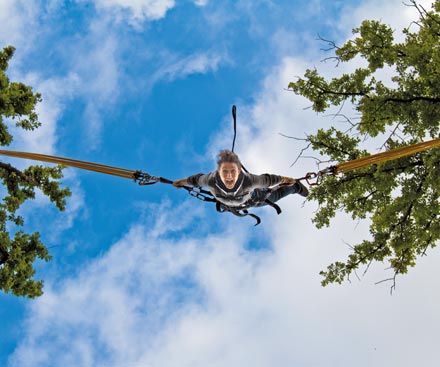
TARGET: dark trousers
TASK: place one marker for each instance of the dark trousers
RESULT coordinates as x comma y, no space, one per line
260,195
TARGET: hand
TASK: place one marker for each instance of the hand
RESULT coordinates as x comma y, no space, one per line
288,181
180,183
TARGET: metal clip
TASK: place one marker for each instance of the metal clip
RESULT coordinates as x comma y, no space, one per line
315,178
310,176
143,178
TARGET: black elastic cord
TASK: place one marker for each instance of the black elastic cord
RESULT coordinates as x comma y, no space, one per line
234,117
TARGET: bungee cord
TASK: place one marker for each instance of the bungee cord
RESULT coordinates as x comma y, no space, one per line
144,178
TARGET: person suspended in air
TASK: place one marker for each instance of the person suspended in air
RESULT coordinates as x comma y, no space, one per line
233,186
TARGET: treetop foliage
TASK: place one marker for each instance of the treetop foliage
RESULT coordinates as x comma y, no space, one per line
399,197
19,250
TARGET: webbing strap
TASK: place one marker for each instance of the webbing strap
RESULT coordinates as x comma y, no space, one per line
239,212
385,156
110,170
273,205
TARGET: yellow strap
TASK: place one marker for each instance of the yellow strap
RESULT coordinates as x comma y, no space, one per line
115,171
385,156
122,172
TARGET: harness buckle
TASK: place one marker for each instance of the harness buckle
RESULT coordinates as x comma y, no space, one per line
198,193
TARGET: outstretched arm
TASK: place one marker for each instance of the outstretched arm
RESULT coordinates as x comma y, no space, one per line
197,180
287,181
268,180
180,183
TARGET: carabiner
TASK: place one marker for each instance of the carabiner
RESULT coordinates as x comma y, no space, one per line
310,176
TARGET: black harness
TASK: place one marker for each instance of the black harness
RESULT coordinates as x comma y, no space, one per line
239,211
205,195
144,179
242,211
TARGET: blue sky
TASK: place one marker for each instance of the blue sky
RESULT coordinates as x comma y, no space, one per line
147,276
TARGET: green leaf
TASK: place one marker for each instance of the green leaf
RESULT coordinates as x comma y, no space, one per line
400,197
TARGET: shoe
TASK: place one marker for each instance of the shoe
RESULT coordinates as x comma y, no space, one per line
301,189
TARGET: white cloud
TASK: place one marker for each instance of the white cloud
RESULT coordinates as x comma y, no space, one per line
94,61
139,10
94,71
100,79
60,221
16,18
201,2
394,13
75,205
179,68
56,93
205,301
195,64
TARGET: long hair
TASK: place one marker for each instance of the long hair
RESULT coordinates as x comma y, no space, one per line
226,156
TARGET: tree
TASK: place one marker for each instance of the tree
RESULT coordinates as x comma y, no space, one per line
19,250
399,197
